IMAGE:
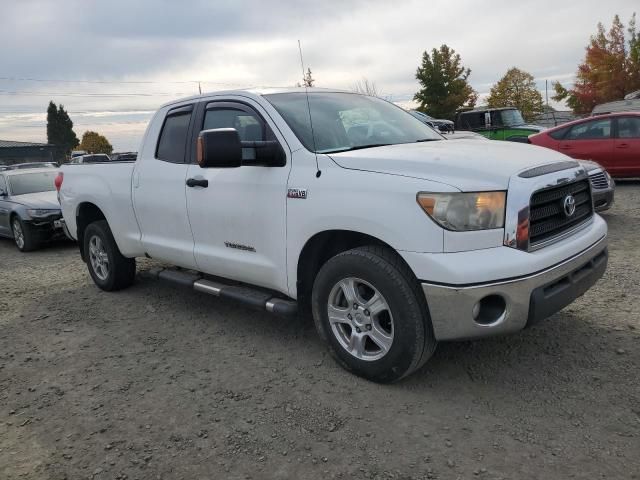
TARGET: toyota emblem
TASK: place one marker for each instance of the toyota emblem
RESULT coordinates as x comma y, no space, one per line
569,205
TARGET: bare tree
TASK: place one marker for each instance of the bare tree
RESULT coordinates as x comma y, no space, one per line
365,87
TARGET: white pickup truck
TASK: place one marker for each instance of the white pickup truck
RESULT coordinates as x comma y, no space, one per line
394,237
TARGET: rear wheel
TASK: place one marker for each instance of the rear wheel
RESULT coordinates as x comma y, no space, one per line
109,269
22,235
368,307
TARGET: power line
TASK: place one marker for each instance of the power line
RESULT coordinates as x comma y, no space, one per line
125,82
92,94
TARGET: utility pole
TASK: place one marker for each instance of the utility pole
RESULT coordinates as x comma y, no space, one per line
546,91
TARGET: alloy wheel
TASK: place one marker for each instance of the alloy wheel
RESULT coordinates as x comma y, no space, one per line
98,257
360,319
18,234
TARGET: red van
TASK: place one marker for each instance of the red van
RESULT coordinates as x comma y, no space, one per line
612,140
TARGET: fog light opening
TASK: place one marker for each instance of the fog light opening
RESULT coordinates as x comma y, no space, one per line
489,309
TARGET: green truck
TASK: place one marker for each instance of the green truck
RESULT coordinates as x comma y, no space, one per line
496,123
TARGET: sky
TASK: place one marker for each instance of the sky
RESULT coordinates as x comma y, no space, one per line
112,63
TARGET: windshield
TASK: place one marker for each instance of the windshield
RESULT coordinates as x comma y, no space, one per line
32,182
512,118
347,121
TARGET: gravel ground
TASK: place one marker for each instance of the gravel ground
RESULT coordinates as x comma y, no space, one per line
161,383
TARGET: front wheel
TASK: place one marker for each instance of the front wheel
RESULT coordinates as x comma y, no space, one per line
22,235
109,269
368,307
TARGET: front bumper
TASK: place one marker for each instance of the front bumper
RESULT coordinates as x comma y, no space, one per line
48,228
486,309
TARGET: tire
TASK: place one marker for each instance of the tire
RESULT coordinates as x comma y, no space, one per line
388,344
108,268
23,236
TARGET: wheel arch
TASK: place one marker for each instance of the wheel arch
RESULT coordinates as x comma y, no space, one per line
86,214
321,247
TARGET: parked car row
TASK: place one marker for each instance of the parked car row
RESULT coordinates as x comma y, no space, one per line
613,141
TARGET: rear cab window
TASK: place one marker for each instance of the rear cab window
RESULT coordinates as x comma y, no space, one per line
172,142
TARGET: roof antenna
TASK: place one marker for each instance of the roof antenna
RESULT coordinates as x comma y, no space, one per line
306,89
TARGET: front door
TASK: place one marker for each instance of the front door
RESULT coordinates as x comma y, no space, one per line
159,189
626,147
239,219
590,140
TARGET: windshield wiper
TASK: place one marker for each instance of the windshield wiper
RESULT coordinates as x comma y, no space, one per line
428,140
357,147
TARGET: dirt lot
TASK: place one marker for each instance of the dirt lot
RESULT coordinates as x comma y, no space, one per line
158,382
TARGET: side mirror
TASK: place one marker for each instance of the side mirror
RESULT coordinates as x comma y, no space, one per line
219,148
3,193
222,148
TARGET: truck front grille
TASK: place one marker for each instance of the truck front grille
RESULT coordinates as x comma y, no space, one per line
548,216
599,180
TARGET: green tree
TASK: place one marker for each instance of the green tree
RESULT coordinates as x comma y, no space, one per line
93,142
60,129
517,88
610,69
444,83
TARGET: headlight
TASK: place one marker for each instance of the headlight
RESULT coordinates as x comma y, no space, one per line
465,211
42,212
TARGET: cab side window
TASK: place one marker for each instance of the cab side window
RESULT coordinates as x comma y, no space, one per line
172,144
629,127
594,130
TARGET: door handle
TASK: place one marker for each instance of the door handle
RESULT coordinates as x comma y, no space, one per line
565,147
622,145
197,182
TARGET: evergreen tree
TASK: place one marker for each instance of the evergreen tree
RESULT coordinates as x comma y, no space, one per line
444,83
308,80
60,129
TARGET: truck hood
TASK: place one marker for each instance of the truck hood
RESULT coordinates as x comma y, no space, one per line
44,200
468,165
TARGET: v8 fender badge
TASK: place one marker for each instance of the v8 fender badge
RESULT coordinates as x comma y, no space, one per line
297,193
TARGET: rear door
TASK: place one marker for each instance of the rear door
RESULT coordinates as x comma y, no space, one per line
626,145
590,140
159,188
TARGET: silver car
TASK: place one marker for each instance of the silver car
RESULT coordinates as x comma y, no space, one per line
29,208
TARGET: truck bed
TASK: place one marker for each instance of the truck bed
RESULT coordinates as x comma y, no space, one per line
108,185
